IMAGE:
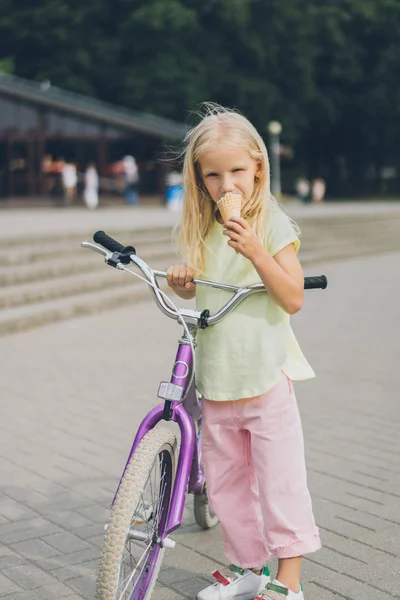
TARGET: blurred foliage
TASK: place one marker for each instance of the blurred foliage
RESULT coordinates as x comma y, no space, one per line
328,69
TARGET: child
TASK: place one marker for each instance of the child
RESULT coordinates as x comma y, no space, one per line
253,452
69,180
131,174
91,192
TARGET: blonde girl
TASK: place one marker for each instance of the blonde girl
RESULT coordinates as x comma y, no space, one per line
253,451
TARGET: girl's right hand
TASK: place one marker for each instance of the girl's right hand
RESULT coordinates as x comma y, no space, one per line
180,278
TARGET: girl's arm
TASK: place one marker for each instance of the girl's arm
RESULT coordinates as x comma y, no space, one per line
281,275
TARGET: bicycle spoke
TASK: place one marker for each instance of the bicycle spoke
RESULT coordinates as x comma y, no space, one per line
133,573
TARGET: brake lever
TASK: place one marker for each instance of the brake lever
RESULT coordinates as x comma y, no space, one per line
99,249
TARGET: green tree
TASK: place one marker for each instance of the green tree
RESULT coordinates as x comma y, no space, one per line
327,69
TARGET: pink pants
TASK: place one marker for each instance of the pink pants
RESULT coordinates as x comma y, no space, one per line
253,456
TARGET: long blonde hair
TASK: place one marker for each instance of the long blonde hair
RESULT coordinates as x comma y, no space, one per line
218,124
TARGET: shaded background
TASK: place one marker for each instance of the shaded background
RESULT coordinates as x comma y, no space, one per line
327,70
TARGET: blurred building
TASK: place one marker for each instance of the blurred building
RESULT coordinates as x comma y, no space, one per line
41,126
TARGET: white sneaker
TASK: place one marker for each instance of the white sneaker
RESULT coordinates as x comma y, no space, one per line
236,584
274,591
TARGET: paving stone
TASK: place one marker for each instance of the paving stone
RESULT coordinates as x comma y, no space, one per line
164,593
20,525
65,560
56,591
29,577
13,510
78,418
90,532
66,542
96,540
3,520
24,495
7,586
95,513
95,492
83,586
314,591
34,549
341,584
44,528
189,588
69,519
63,502
86,569
11,560
189,564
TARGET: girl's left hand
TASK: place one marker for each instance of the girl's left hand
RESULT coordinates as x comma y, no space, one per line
243,238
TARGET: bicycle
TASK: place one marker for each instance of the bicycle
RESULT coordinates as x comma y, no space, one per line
149,502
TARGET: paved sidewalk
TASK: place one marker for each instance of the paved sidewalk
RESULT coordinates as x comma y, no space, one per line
53,221
73,394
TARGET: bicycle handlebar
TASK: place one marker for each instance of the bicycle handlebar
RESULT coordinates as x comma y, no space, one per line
120,255
100,237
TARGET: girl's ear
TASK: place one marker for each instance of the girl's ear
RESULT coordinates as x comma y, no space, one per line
259,169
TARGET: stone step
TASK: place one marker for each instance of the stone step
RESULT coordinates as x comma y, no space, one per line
120,289
51,278
333,253
97,279
389,240
84,262
27,316
85,272
37,224
334,229
314,232
101,277
40,250
129,235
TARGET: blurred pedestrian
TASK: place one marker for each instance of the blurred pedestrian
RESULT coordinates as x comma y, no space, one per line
174,191
131,179
303,189
91,191
318,190
69,180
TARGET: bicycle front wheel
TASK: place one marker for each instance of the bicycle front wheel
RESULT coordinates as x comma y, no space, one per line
131,555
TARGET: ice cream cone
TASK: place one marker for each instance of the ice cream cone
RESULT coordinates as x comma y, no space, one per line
229,206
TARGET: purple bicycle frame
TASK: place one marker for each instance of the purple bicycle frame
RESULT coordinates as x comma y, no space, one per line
184,414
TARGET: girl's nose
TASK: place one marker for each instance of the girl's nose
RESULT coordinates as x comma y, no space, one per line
227,184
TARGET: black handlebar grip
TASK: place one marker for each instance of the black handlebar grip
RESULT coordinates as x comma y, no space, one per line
107,242
311,283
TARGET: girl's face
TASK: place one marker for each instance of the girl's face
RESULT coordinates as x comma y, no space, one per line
224,169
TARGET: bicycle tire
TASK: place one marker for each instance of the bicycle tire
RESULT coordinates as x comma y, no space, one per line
131,510
203,513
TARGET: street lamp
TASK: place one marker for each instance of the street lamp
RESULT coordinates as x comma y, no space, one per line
274,130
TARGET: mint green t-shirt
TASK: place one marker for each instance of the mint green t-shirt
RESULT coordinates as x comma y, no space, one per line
244,354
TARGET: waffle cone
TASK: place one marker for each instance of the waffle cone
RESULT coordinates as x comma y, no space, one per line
229,206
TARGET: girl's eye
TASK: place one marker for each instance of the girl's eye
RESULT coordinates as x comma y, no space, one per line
236,170
212,175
